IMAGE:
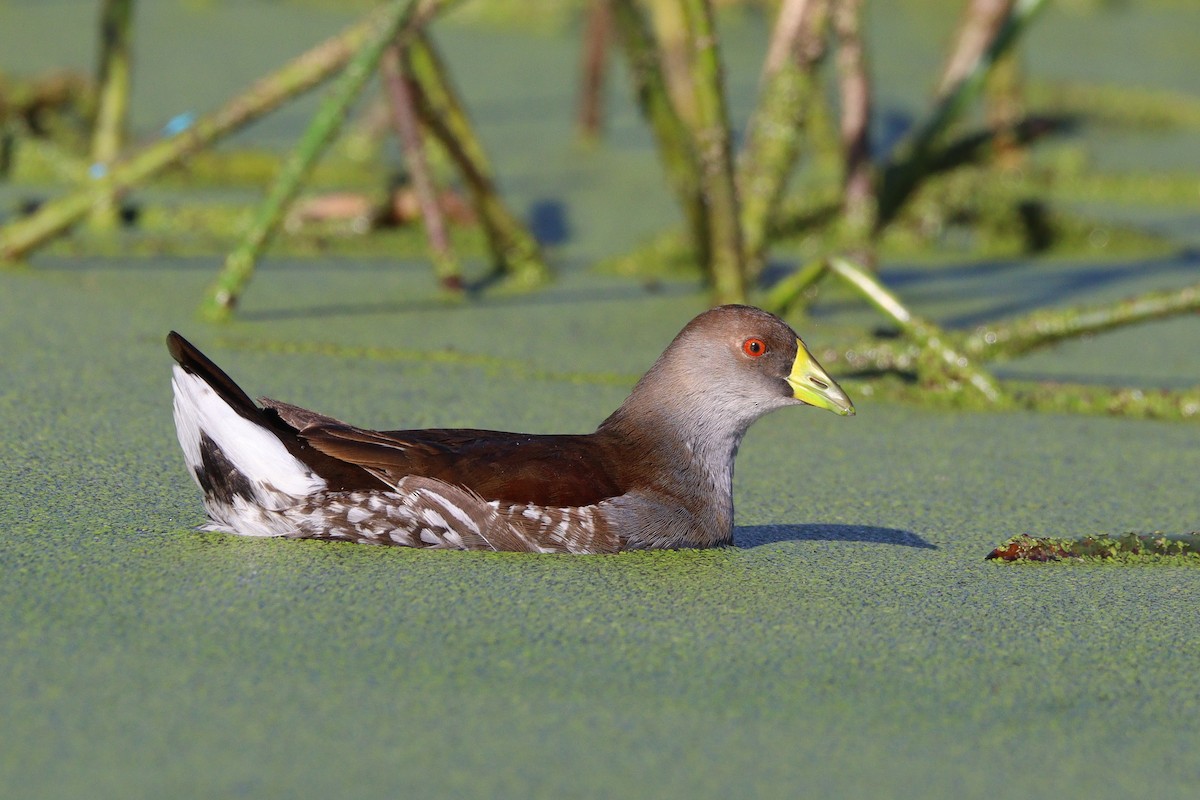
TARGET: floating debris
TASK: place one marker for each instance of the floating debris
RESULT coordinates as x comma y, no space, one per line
1178,548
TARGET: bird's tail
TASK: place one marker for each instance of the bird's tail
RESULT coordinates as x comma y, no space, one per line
243,466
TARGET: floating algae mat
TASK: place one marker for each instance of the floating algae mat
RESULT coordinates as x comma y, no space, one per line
855,644
1128,548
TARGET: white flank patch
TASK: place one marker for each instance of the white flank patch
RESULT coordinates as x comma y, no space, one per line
256,452
434,520
357,515
460,516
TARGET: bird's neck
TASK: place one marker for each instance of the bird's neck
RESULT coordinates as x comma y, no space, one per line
689,451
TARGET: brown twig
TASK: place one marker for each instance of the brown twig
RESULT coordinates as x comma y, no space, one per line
981,22
597,35
859,200
515,252
404,120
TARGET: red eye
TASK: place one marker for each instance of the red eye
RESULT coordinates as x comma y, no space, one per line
754,347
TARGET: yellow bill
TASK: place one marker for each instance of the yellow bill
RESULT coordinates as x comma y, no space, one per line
812,385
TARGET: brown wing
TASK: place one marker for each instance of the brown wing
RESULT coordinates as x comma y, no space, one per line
566,470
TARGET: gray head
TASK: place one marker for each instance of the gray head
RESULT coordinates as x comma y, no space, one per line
728,367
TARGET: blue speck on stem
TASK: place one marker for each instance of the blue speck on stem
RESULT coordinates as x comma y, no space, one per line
179,123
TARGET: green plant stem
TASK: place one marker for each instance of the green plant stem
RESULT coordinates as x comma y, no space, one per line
1124,401
945,363
785,295
675,146
404,119
909,167
711,135
22,236
514,250
872,356
112,116
223,294
1044,328
1023,335
676,56
777,125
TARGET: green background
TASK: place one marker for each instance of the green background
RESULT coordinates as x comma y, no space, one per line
856,644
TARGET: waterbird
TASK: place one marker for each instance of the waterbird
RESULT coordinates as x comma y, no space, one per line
657,473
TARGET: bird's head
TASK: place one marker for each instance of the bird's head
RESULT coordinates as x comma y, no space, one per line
732,364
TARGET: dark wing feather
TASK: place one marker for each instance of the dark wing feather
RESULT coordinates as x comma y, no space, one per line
188,356
295,416
569,470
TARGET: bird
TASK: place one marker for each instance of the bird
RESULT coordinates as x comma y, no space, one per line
657,473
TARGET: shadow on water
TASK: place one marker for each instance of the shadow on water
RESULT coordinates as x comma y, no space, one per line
548,222
758,535
544,297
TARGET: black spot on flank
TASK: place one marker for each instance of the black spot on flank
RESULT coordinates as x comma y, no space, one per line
217,475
